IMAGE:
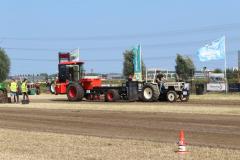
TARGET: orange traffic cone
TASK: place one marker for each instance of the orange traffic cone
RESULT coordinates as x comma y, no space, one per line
182,144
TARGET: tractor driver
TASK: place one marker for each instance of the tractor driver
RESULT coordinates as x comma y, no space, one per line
160,79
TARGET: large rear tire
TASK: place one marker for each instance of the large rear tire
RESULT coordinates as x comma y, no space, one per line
75,92
172,96
112,95
150,93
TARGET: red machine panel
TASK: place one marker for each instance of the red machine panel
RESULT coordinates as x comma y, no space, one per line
61,88
90,83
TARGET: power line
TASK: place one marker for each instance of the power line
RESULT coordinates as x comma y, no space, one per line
147,46
153,58
213,28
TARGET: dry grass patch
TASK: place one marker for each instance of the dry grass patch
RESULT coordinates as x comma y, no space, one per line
40,146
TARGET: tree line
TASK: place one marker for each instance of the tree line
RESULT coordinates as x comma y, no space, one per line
4,65
185,68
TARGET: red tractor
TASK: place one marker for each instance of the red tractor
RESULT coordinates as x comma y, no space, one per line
71,81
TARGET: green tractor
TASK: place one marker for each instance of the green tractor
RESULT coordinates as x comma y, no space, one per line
3,93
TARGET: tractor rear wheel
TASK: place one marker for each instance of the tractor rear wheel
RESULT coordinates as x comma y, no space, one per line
75,92
150,93
171,96
112,95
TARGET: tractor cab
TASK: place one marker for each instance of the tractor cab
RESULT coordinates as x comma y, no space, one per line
68,71
71,79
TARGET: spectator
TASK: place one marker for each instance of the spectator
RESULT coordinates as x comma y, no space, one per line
24,90
13,90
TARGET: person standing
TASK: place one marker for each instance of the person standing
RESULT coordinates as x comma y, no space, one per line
18,89
13,90
24,89
130,77
160,79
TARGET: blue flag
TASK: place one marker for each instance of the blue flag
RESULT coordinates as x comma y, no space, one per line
213,51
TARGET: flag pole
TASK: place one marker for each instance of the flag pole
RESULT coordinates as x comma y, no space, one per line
226,74
225,67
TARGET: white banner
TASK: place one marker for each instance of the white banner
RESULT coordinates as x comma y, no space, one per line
216,77
218,87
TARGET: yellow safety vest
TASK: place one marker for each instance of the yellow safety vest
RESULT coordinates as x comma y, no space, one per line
13,87
24,87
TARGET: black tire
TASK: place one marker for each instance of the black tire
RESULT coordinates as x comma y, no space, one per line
184,98
112,95
150,93
140,97
38,91
52,87
75,92
171,96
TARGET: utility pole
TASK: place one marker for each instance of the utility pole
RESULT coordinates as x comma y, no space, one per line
238,71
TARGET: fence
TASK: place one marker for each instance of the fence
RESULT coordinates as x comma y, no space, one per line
201,88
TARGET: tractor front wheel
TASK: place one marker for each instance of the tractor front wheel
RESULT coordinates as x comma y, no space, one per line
172,96
75,92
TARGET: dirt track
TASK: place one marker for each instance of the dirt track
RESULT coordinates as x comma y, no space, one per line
205,130
197,102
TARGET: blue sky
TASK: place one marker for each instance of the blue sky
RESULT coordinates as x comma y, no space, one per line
37,30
